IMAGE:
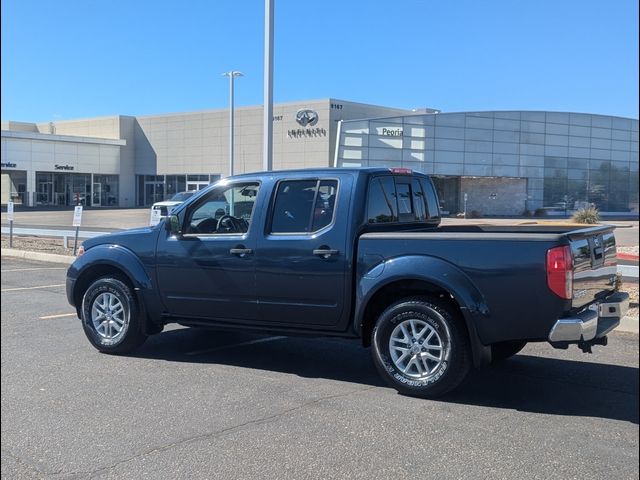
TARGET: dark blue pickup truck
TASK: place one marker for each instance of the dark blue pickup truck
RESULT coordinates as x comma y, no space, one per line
352,253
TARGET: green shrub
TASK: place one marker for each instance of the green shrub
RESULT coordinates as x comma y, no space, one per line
587,215
526,212
540,212
475,214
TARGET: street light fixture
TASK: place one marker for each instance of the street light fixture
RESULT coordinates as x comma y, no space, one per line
232,74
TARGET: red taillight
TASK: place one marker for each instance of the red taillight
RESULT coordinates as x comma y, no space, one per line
560,271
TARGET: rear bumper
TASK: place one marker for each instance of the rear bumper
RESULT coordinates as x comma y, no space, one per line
593,322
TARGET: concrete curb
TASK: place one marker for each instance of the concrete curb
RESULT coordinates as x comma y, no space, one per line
629,272
37,256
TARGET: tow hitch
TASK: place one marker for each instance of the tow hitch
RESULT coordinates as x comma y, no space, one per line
586,346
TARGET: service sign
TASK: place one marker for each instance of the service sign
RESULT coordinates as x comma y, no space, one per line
10,211
156,216
77,216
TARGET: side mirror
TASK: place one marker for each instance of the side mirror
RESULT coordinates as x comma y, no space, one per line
172,224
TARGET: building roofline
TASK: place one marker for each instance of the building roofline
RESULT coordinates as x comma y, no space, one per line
413,114
62,138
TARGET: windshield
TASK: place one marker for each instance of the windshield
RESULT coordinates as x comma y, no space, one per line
181,197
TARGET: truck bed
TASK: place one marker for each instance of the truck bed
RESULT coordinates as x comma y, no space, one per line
507,265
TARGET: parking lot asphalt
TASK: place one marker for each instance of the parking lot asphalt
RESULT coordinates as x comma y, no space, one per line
193,403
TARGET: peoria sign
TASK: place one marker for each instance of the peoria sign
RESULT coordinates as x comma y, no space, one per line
392,132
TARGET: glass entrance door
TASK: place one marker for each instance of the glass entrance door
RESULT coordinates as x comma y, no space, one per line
96,199
44,188
154,192
45,193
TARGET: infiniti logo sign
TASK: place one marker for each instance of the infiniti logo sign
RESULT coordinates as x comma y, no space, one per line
307,117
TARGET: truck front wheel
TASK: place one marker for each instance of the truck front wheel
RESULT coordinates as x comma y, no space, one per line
110,316
420,347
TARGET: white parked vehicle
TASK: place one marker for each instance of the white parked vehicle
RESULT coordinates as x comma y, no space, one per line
166,206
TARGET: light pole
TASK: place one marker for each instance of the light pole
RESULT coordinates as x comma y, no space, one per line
232,74
267,135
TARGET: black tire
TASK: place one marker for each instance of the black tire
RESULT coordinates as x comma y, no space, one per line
503,350
117,292
455,352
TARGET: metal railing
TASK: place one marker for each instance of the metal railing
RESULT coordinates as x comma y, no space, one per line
43,232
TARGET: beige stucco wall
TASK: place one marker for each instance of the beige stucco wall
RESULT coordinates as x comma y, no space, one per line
198,142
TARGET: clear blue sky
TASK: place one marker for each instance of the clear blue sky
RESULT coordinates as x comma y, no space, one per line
83,58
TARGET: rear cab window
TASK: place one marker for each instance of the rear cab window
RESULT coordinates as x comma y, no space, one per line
401,199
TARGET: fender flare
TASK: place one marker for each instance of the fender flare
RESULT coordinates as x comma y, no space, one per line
442,274
131,266
116,256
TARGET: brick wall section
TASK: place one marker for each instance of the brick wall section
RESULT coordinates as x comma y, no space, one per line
497,196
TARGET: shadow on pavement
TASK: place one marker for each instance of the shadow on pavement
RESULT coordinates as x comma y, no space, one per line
524,383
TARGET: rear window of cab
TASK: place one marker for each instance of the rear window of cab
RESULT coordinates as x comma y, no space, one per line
401,199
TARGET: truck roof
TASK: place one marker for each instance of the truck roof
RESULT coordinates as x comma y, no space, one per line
323,171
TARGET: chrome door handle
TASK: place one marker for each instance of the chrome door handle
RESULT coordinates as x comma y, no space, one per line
325,252
241,252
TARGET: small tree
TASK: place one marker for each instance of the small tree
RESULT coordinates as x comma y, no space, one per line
587,215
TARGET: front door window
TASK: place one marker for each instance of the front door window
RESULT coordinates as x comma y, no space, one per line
225,210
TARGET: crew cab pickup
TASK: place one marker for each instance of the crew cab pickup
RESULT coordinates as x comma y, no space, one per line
354,253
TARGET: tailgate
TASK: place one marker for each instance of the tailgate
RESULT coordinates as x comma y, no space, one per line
594,263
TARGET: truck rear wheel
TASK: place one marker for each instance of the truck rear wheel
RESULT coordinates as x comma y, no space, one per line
110,316
420,347
503,350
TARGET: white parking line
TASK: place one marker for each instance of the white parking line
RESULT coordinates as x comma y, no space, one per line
225,347
31,269
60,315
31,288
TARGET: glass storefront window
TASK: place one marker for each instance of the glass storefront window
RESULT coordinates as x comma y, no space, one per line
575,167
155,188
105,191
14,187
171,185
63,189
197,178
140,191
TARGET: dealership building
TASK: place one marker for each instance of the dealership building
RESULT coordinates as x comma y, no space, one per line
496,162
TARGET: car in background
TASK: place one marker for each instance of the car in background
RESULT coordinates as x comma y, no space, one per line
166,206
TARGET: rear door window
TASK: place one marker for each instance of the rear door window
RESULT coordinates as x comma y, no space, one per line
303,206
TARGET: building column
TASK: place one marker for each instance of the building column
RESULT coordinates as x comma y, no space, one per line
31,188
